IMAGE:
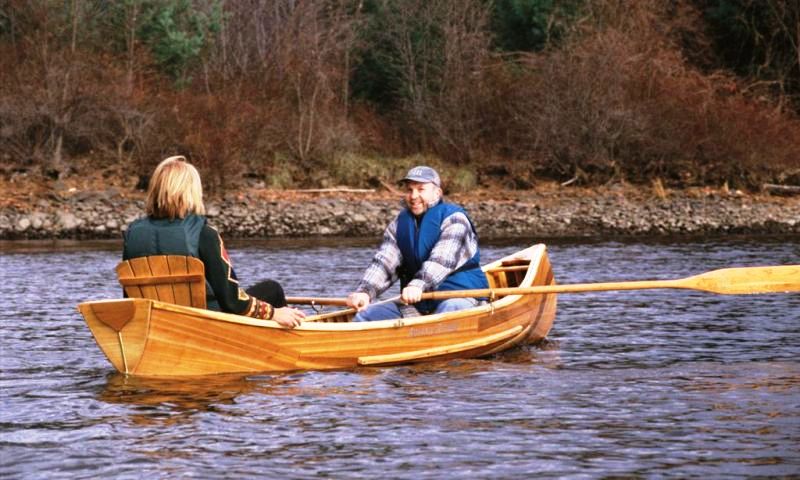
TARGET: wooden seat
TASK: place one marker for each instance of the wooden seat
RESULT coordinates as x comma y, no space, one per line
168,278
509,274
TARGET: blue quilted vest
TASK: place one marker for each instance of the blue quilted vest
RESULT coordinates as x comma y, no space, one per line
162,236
416,242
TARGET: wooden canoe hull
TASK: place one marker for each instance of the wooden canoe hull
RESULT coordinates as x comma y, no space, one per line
144,337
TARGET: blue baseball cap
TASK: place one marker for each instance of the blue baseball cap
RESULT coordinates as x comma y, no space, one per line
422,174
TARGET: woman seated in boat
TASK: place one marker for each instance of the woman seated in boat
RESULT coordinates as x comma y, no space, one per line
175,224
431,245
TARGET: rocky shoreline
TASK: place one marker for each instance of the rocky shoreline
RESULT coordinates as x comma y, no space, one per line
534,214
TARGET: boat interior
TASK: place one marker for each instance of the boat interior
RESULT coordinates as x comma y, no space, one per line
506,274
179,280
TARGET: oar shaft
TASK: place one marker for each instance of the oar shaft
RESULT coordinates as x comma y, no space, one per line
342,302
502,292
545,289
730,281
335,301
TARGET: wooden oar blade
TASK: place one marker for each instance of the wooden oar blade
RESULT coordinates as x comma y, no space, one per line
748,280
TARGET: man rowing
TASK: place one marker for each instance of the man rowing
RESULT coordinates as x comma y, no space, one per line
431,245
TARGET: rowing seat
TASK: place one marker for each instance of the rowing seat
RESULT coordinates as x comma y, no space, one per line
168,278
510,273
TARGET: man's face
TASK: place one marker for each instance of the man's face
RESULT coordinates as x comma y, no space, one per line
419,196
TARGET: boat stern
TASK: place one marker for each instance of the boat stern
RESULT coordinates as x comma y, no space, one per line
120,328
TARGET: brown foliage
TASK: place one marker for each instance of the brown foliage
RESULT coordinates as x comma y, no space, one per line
291,61
60,97
442,75
621,102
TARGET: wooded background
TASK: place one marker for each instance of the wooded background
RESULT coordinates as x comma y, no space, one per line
319,93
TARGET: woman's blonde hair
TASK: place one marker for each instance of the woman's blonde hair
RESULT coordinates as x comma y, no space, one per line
175,190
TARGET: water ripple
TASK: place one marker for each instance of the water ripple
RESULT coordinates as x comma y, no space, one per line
630,384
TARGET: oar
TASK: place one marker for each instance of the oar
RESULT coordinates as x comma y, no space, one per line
342,302
316,301
313,301
728,281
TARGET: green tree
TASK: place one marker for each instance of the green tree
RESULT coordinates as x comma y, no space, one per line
177,33
375,77
532,25
759,39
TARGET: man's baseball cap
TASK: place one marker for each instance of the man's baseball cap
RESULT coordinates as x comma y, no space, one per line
422,174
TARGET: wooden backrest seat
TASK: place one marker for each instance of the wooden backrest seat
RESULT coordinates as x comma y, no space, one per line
169,278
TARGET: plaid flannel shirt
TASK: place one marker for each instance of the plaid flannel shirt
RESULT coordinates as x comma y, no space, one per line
456,245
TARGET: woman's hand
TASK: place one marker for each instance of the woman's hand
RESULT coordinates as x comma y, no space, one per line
288,317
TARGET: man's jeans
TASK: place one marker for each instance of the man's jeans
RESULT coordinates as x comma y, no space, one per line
390,310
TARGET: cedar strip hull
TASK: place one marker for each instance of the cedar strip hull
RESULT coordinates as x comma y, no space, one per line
150,338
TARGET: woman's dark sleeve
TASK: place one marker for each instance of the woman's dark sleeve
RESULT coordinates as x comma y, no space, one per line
220,274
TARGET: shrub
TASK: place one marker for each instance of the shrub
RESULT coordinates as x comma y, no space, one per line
620,102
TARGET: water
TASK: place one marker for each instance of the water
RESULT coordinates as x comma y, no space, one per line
658,384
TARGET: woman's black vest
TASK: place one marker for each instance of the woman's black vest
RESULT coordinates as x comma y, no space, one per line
162,236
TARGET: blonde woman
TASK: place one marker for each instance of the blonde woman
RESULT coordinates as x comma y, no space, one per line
175,224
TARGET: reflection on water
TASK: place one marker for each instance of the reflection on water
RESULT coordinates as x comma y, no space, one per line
186,393
635,384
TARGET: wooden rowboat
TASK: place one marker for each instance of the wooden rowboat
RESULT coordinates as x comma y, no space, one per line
151,338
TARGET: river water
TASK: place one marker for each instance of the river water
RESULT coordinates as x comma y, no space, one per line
655,384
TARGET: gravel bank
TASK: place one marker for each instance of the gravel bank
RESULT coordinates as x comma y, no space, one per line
563,213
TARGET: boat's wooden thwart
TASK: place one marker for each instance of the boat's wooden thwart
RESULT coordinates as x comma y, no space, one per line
148,337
